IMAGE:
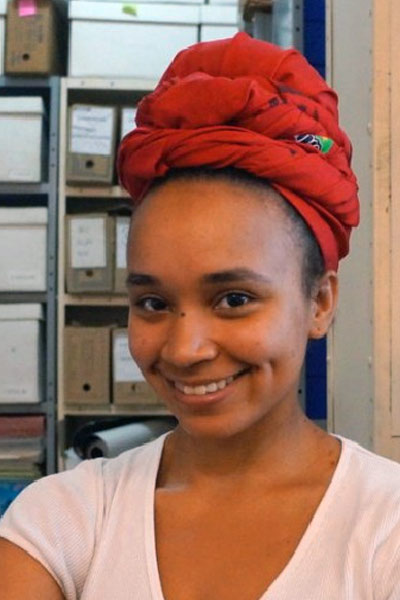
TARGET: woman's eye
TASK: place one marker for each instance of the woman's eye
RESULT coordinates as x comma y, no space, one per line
234,300
151,304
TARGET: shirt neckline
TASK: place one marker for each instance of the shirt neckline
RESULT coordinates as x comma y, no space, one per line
300,554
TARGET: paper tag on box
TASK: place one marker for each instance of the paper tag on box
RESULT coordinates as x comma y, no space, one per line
25,278
88,243
27,8
16,392
91,130
122,240
125,368
127,120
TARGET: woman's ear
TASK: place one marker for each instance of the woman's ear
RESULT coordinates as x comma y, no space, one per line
324,301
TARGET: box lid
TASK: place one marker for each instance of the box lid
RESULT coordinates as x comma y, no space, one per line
23,216
15,312
21,104
219,14
129,12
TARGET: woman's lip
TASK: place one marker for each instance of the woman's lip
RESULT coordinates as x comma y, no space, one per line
197,400
193,384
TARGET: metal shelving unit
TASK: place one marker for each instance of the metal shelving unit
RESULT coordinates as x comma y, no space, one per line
83,198
45,194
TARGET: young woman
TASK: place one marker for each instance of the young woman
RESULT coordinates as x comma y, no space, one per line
244,202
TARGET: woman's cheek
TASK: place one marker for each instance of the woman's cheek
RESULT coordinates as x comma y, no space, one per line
139,344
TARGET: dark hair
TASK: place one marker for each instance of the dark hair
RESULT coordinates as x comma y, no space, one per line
313,266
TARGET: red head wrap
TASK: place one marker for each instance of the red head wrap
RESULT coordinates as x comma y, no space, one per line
248,104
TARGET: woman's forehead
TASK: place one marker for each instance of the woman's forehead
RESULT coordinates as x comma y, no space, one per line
213,224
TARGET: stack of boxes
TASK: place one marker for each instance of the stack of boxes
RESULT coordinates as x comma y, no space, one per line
87,39
23,248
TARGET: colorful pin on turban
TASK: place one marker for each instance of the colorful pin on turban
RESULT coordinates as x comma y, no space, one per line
248,104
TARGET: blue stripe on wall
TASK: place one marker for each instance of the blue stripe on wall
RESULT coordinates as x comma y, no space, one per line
315,371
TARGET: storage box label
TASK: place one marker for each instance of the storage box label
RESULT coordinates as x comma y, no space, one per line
27,8
25,278
88,243
16,392
122,240
92,130
125,369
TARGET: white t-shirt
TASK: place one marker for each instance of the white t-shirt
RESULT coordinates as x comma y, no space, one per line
93,530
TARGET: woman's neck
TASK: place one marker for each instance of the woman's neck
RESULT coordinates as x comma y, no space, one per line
271,452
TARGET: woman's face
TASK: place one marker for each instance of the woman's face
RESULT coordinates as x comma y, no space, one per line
218,321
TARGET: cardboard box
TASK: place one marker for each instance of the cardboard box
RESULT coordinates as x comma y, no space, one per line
87,365
119,39
91,144
129,385
3,12
21,132
36,37
90,253
23,245
120,267
20,353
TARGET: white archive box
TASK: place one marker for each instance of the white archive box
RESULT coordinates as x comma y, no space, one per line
218,21
23,244
116,39
20,353
21,132
3,12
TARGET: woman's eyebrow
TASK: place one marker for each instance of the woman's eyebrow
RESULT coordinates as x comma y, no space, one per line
226,276
141,279
232,275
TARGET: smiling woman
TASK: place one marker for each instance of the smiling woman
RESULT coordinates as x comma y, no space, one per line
243,201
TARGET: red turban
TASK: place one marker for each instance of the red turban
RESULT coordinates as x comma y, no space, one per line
248,104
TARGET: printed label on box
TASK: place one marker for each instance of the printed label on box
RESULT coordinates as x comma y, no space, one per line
91,130
25,278
122,240
128,120
16,392
88,243
125,368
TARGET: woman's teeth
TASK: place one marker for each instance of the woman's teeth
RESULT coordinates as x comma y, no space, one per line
201,390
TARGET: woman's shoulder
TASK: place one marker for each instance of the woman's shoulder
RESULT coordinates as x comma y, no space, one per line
59,519
375,478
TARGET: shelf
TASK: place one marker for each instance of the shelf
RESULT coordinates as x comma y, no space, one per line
23,297
108,191
118,411
24,189
97,83
85,300
31,408
25,82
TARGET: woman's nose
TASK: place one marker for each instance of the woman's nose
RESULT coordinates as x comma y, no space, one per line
189,341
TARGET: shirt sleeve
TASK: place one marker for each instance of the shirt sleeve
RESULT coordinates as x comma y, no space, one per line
56,520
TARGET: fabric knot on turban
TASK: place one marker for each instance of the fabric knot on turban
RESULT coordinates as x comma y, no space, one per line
248,104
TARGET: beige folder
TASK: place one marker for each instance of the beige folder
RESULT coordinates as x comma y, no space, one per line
87,365
89,253
91,144
129,386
